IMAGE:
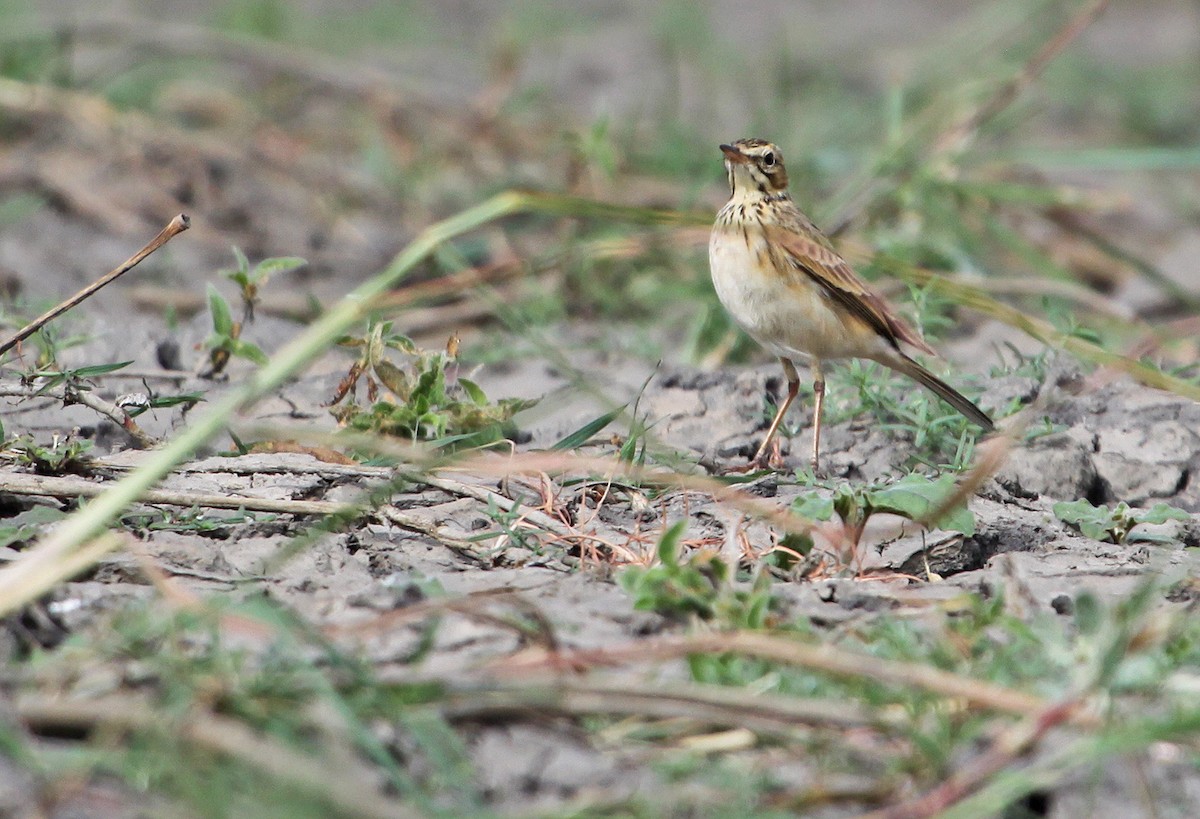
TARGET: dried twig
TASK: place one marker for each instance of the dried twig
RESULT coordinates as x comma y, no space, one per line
176,226
479,493
62,487
425,526
71,395
711,704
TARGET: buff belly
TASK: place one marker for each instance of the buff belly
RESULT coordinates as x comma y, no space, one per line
791,318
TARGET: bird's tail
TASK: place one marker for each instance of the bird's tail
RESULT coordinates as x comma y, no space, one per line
947,393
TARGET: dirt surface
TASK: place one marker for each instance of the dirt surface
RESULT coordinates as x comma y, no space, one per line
290,184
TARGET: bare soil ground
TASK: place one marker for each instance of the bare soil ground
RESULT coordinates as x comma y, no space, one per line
291,183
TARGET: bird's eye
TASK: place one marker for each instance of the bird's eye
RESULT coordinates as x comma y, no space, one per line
768,159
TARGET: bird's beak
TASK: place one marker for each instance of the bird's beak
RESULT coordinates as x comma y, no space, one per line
733,154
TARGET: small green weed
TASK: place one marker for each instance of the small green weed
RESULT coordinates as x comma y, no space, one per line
1115,524
584,434
425,398
46,380
701,586
251,280
507,528
65,455
25,526
941,437
225,341
192,521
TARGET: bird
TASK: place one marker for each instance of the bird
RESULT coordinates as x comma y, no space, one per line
782,281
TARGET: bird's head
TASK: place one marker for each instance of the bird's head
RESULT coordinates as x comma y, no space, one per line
755,166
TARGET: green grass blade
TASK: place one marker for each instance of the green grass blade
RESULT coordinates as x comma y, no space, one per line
582,435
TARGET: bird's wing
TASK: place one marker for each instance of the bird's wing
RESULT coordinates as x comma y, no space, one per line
822,264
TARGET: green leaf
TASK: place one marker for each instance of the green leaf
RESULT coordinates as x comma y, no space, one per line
430,387
629,453
99,369
240,447
241,274
400,342
582,435
1096,522
279,264
1161,513
468,440
249,351
28,525
222,319
243,264
916,496
813,507
848,504
473,391
394,378
163,401
668,546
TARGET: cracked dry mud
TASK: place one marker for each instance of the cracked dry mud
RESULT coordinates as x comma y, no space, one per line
353,584
1116,441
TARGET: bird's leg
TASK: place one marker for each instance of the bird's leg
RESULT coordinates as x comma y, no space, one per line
818,403
793,379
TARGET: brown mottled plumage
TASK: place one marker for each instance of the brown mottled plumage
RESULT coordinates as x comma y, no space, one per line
785,285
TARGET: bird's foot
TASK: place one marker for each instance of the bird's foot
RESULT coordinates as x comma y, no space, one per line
769,458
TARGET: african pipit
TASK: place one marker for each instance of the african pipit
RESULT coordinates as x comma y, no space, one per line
785,285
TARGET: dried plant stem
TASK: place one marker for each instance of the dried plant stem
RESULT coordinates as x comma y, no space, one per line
62,487
430,528
479,493
828,659
217,734
711,704
70,395
176,226
1042,330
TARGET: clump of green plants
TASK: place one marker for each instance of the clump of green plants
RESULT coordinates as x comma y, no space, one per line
701,586
941,437
1115,524
25,526
418,394
66,454
294,718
